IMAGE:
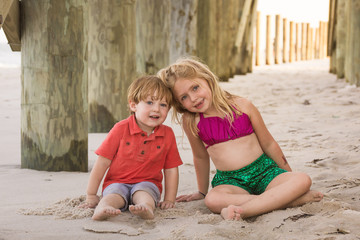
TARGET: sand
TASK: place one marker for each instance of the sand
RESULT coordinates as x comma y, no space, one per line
314,117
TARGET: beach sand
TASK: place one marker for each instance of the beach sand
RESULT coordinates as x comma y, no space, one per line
314,117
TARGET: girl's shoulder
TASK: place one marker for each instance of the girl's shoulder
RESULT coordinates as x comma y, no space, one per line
242,104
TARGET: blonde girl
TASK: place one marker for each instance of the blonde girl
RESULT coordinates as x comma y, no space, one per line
252,174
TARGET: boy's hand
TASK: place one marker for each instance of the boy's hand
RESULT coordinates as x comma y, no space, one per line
190,197
90,202
166,204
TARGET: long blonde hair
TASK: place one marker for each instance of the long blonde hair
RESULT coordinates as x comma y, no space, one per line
191,68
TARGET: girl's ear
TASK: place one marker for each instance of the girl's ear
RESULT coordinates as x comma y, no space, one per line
132,106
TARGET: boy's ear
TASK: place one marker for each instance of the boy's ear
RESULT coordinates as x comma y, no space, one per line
132,106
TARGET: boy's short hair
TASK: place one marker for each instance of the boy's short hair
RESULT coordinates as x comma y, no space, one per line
149,85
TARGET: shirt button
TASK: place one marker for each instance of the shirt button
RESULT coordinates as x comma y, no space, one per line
144,142
127,143
158,147
143,134
142,152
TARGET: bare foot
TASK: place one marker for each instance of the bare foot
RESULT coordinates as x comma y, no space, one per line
142,211
310,196
102,213
231,212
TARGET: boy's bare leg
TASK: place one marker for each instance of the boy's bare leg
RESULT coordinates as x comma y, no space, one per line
144,205
108,207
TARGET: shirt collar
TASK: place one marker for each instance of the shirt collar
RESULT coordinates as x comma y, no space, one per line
135,129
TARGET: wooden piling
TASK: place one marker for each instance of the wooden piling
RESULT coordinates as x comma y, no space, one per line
308,41
277,39
54,107
258,25
268,40
297,42
285,41
291,42
303,41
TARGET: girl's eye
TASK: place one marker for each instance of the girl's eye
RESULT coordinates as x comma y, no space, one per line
195,88
182,98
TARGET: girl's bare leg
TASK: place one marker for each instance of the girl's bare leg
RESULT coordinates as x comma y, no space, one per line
286,190
109,206
144,205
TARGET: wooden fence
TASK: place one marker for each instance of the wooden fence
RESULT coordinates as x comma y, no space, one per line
296,41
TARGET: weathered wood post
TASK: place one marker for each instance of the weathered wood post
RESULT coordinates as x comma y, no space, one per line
285,41
340,36
268,40
112,61
277,39
308,41
303,41
317,41
258,30
352,59
54,107
291,42
297,42
152,35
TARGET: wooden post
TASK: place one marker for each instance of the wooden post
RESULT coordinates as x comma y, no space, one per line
54,107
316,46
12,25
268,40
308,41
311,47
183,30
297,42
340,35
277,39
352,56
303,41
285,41
321,40
152,35
291,43
112,61
257,55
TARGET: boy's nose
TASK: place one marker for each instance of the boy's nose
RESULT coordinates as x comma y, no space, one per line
156,107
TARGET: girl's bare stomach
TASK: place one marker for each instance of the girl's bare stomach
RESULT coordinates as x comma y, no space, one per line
235,154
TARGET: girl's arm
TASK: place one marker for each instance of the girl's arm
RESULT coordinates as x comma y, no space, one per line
201,162
96,175
266,140
171,176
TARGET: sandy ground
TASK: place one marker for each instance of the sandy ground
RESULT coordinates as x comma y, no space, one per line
314,117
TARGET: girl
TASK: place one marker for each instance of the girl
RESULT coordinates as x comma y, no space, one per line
253,176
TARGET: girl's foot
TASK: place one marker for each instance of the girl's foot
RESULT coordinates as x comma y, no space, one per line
310,196
141,211
102,213
231,212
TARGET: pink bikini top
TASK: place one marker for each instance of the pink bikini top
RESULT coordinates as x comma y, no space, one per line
214,130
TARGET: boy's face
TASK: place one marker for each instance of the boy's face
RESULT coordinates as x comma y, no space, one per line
150,113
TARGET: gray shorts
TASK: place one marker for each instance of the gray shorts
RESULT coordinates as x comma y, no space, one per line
126,191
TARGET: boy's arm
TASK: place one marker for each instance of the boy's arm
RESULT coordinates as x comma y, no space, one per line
171,176
96,175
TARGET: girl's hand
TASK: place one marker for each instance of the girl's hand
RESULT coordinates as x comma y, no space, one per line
90,202
190,197
166,204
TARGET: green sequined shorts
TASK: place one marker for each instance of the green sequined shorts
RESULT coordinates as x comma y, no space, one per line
254,178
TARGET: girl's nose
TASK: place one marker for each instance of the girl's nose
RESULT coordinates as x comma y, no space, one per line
192,97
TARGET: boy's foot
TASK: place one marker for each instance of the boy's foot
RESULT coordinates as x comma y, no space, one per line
141,211
102,213
310,196
231,212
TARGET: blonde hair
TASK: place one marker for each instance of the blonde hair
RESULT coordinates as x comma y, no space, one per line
191,68
150,85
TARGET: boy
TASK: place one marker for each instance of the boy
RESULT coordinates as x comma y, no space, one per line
135,152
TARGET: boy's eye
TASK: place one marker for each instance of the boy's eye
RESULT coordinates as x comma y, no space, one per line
163,105
149,102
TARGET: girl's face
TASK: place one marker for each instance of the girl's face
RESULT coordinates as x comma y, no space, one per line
193,94
150,113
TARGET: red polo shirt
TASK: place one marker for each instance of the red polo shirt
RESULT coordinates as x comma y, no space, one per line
137,157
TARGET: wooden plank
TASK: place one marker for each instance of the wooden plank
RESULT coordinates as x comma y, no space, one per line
277,39
11,26
242,24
